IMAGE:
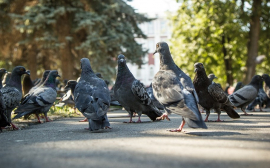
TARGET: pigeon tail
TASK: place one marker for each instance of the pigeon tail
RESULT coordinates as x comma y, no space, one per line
230,111
195,123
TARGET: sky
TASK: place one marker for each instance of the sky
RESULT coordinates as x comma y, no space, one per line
152,7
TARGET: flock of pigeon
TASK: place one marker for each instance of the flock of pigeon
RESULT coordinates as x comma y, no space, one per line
171,91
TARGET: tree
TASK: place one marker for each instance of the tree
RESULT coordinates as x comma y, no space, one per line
59,33
208,32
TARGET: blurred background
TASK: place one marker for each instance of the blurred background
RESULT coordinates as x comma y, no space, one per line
231,38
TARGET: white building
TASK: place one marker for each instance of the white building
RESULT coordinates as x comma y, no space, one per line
156,31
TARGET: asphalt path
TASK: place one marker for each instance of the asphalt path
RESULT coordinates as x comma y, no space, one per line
64,143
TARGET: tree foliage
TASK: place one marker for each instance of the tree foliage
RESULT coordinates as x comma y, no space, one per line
58,33
216,33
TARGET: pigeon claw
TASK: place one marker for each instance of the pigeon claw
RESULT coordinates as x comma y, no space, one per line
164,116
175,130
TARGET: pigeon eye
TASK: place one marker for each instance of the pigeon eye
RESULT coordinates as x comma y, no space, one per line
157,45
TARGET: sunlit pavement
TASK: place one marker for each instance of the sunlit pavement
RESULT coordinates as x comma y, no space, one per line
64,143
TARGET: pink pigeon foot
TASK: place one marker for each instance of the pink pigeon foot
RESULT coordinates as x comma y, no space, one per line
164,116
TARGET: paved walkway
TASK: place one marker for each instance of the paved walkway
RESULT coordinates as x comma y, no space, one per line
64,143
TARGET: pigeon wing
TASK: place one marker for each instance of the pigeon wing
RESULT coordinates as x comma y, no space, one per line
139,91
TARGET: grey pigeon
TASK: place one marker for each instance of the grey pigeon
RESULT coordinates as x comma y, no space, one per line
175,91
36,85
27,83
12,91
260,100
39,100
92,97
211,95
242,97
131,93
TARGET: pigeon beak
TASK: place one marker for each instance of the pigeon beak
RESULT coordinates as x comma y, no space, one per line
59,76
215,77
195,70
6,71
27,72
155,52
121,60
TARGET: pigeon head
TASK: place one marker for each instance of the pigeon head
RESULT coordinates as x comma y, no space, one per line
70,84
121,59
265,76
198,67
256,80
164,53
20,70
50,81
2,72
85,65
212,76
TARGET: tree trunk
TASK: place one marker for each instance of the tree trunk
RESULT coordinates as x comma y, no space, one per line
64,30
66,62
228,61
253,44
32,53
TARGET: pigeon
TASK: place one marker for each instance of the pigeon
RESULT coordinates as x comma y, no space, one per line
149,90
36,85
244,96
39,100
175,91
211,95
27,83
131,93
92,97
261,99
267,83
238,86
12,91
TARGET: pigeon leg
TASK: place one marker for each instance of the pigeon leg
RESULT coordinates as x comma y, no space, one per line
14,127
163,116
139,119
47,119
207,115
38,118
245,113
84,120
180,127
130,120
218,120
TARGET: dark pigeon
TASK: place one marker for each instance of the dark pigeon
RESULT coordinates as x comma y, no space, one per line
39,100
211,95
149,90
68,98
92,97
260,99
244,96
12,91
175,91
27,83
131,93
